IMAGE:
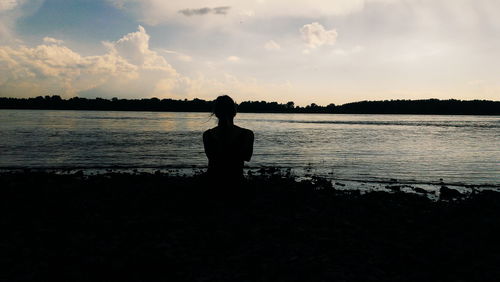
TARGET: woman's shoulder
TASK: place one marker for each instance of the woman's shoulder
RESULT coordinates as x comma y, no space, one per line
208,132
245,131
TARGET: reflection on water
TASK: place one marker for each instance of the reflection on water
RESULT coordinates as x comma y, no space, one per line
373,147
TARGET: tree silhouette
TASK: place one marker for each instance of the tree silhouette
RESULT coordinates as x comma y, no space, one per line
429,106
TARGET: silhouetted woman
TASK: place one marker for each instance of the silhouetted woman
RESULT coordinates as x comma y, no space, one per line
227,146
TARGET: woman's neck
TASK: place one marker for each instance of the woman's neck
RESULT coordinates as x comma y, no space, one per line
226,122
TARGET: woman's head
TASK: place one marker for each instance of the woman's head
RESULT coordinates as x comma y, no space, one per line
224,107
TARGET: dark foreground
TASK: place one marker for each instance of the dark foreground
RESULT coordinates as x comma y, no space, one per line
154,227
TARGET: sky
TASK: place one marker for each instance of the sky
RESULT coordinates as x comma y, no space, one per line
314,51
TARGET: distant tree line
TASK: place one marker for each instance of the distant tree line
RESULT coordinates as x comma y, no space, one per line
429,106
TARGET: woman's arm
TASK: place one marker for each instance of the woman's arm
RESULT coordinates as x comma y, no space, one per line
248,145
207,143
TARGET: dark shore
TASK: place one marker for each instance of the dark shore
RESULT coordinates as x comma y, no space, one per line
156,227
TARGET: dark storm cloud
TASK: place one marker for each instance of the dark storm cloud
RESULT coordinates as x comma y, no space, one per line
205,11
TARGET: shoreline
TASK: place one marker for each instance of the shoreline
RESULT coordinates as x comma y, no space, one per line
363,185
158,227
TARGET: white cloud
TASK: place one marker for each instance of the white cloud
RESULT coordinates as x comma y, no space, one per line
310,7
134,46
129,68
404,44
6,5
180,56
315,35
240,88
31,71
233,59
272,45
160,11
185,58
347,52
8,16
51,40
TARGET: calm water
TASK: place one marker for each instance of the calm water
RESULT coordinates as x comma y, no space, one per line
457,149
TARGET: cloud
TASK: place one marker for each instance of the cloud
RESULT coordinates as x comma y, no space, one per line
347,52
32,71
180,56
221,10
120,4
315,35
233,59
240,88
129,69
197,12
204,11
6,5
134,47
155,12
9,13
272,45
51,40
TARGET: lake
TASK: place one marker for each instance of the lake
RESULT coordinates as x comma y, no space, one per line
409,148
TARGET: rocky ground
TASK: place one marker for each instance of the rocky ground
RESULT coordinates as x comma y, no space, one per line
159,227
